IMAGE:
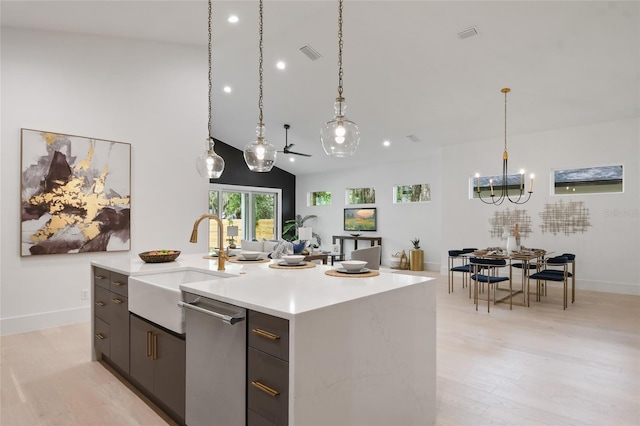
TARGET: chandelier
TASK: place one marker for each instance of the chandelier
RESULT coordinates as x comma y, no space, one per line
340,136
504,187
210,164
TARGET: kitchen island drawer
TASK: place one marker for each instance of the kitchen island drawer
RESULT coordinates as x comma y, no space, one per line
268,386
102,342
119,284
102,303
269,334
101,277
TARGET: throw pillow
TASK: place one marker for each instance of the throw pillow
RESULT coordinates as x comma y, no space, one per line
298,247
252,245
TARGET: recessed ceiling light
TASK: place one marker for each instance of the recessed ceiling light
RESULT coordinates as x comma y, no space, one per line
292,159
281,65
227,89
232,19
386,143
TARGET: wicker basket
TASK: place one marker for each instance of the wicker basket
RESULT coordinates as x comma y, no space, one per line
155,257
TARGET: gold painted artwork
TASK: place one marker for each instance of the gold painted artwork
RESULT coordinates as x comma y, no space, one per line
75,194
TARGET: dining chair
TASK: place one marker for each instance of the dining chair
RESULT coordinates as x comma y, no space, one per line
491,277
371,255
571,259
554,269
456,256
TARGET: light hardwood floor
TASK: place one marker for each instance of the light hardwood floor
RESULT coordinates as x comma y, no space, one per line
529,366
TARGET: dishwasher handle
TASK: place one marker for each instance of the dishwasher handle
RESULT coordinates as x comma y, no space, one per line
228,319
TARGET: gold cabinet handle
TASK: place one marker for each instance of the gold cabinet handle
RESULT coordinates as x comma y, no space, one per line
154,351
99,277
117,301
117,283
99,303
149,344
266,389
266,334
100,336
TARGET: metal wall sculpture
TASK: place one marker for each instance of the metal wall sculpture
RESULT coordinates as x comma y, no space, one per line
75,194
510,218
567,218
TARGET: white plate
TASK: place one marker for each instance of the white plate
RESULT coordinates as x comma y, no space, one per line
361,271
292,264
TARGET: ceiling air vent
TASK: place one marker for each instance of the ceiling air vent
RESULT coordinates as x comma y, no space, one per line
413,138
310,52
469,32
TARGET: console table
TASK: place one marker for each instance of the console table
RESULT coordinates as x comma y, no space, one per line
341,238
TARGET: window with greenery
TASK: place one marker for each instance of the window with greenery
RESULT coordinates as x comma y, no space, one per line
360,196
253,210
588,180
319,198
514,183
419,193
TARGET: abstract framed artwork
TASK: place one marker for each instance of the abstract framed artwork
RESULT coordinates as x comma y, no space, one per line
75,194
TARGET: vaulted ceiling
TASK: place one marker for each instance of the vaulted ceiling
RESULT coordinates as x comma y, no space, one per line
406,70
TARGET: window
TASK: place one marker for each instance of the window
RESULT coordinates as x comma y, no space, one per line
514,184
319,198
589,180
412,193
255,211
360,196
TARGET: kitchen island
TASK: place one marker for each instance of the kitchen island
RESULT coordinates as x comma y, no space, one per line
360,350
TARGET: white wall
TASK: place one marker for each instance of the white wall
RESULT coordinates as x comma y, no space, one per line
608,252
397,223
150,95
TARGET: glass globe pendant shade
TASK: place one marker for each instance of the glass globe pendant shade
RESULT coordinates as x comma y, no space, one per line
259,154
340,136
209,164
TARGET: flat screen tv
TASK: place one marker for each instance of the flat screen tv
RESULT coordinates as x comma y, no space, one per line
362,219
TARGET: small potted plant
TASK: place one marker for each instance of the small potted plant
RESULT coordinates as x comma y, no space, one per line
416,256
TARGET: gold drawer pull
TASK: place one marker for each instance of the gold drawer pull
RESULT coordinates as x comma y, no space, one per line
100,336
149,344
99,303
154,351
99,277
266,389
266,334
117,283
116,301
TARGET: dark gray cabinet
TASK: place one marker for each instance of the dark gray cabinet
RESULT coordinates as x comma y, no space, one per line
158,363
111,317
267,370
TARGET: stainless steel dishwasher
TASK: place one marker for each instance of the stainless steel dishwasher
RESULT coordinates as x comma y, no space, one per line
216,362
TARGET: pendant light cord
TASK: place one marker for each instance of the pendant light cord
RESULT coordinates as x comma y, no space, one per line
210,124
340,45
260,70
505,91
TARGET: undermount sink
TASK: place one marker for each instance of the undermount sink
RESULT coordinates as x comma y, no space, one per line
156,296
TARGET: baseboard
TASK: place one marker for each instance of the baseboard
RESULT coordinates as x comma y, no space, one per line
43,320
608,287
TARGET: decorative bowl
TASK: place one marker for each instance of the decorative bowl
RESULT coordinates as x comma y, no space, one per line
353,265
250,255
159,256
293,259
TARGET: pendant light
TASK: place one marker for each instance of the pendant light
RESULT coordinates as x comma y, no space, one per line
210,164
259,154
340,136
499,190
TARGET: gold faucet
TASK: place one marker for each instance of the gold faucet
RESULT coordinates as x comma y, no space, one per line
194,237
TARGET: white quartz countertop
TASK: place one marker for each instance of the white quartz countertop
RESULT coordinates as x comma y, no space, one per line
280,292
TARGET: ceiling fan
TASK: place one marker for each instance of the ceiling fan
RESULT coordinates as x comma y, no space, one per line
287,145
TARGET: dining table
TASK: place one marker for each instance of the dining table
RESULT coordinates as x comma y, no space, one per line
526,257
